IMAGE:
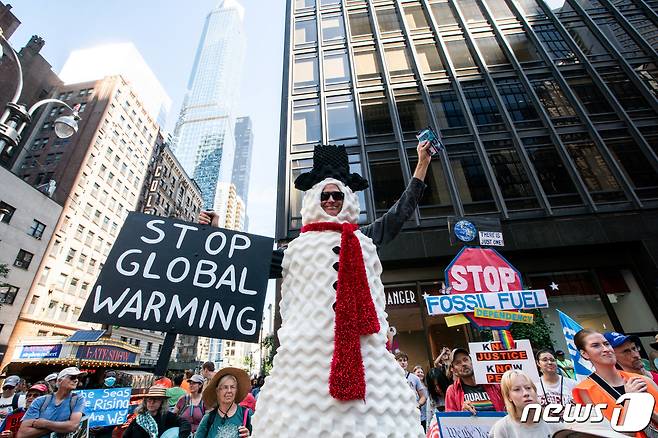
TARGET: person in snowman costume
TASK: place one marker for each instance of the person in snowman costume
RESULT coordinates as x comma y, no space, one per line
334,327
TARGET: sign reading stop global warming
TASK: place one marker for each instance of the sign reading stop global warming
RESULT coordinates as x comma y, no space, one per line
490,360
174,276
106,407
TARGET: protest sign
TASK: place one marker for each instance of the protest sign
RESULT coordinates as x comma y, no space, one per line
106,407
482,231
525,318
476,270
495,301
173,276
583,368
490,360
466,425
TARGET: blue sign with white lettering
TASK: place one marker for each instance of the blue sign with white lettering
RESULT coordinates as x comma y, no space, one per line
106,407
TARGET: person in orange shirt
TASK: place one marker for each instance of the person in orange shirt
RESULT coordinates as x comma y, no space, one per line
186,381
606,384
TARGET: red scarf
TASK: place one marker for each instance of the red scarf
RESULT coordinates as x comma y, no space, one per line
355,314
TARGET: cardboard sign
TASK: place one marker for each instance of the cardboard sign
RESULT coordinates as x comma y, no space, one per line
490,360
476,270
526,318
475,231
467,425
512,300
173,276
106,407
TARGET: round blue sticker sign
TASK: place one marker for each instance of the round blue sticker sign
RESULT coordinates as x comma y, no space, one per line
465,231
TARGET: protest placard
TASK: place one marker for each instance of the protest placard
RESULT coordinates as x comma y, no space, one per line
106,407
468,302
525,318
490,360
467,425
173,276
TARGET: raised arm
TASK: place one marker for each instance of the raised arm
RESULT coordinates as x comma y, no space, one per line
387,227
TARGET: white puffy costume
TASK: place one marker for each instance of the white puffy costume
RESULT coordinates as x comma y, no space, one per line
295,400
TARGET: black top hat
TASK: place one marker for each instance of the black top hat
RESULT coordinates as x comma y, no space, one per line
330,161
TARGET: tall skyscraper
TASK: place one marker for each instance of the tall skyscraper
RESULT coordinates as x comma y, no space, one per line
550,123
204,141
244,143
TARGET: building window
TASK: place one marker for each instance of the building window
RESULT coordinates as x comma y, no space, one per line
447,108
524,50
411,111
360,24
499,9
554,101
585,39
73,285
306,122
474,190
23,259
491,51
415,16
52,309
336,68
386,179
554,43
590,95
305,32
470,10
368,66
482,104
37,229
388,20
6,212
436,201
443,13
511,175
33,305
149,347
305,73
137,342
341,122
398,61
459,54
376,117
625,91
551,171
516,100
333,28
428,58
636,165
302,4
8,294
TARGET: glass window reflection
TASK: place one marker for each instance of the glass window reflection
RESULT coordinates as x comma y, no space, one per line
333,28
336,68
305,32
306,121
340,118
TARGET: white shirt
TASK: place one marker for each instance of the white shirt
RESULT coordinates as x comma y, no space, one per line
548,393
508,428
5,404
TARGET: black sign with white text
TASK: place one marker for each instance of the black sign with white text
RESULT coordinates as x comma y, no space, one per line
174,276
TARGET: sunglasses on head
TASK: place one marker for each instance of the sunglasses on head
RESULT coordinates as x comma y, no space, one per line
337,196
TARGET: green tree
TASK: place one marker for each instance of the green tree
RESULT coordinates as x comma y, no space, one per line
268,346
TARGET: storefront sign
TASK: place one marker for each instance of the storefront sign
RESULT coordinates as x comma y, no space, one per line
462,303
173,276
40,351
526,318
106,407
106,353
476,270
400,297
490,360
466,425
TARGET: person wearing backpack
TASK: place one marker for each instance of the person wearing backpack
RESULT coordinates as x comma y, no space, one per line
60,412
223,394
191,406
11,400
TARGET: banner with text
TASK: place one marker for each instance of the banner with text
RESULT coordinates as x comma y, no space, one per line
468,302
106,407
490,360
173,276
503,315
466,425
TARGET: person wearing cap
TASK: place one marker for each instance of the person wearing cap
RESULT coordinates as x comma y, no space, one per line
191,406
51,380
60,412
152,418
11,424
564,365
176,392
466,395
223,394
627,350
11,400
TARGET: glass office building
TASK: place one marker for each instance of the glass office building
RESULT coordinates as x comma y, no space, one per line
204,140
550,122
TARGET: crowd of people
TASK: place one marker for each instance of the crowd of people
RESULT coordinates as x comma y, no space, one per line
450,386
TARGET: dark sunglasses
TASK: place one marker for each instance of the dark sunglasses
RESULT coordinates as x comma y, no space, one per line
338,196
73,378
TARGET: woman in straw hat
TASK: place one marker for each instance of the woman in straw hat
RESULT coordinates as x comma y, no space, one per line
227,419
153,418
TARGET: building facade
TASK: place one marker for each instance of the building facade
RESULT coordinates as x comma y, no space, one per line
244,145
203,139
549,123
98,175
27,221
8,21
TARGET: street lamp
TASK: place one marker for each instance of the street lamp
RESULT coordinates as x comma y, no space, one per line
16,117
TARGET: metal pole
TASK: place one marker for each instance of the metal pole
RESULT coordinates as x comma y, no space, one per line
167,348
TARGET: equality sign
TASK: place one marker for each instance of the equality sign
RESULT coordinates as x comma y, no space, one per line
477,270
467,425
525,318
491,302
174,276
491,360
106,407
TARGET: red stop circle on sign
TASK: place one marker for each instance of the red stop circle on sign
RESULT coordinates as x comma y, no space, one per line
482,270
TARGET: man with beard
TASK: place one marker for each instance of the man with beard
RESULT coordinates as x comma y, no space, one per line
627,350
466,395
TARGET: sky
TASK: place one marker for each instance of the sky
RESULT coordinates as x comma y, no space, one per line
167,33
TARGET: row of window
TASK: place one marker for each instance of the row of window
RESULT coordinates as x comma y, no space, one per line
7,212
